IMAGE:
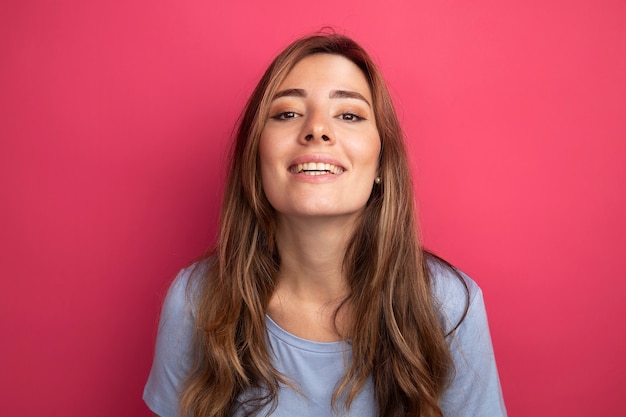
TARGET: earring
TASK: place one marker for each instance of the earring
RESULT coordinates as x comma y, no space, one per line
377,180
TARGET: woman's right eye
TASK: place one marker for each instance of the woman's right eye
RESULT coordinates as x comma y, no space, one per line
285,115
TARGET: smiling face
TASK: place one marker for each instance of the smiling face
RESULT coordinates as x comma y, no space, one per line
319,147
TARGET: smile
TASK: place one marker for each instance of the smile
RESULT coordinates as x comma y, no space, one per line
315,168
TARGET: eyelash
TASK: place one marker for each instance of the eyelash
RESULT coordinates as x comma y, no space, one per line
351,117
348,117
285,115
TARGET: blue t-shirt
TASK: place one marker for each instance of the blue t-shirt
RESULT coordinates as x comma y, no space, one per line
316,367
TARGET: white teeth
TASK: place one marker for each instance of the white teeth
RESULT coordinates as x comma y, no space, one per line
316,168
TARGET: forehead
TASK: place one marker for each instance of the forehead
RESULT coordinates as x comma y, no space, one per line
326,71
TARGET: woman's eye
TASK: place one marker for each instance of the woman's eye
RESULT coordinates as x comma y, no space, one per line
285,115
350,117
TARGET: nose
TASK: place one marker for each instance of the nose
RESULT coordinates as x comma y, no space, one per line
309,137
317,127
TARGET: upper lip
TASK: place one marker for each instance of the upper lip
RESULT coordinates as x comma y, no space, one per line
316,163
321,158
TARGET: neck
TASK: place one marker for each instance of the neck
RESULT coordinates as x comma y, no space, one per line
312,253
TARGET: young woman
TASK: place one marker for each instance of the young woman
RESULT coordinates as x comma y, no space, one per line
318,299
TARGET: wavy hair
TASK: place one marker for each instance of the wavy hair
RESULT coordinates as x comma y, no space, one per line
398,338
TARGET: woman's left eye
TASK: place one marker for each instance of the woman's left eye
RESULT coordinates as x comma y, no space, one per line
350,117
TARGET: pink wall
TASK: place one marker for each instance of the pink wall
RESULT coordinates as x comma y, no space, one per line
114,120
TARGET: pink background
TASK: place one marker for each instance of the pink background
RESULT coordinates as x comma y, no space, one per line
115,117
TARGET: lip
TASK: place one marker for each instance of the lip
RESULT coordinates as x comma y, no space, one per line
321,158
316,158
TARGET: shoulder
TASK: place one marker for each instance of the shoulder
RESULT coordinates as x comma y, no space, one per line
178,313
475,386
185,289
454,291
174,345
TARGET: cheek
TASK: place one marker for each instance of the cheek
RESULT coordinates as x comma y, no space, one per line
369,152
376,148
266,154
268,164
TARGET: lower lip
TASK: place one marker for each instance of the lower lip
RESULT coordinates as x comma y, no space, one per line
323,178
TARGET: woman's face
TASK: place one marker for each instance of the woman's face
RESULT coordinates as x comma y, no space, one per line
320,145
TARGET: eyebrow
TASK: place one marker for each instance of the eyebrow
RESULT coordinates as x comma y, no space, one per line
348,94
298,92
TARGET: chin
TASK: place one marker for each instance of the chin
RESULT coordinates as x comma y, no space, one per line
321,212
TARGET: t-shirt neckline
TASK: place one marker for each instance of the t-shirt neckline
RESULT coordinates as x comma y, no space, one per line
309,345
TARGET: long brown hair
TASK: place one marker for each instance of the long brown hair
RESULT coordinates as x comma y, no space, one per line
398,338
